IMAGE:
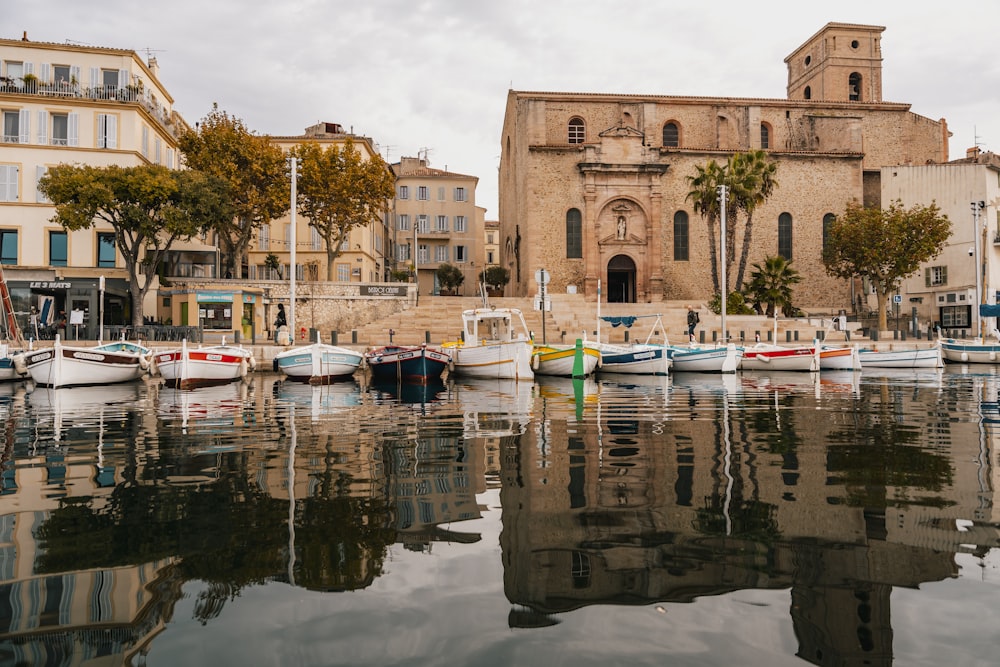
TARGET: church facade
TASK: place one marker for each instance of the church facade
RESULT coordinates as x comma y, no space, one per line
594,187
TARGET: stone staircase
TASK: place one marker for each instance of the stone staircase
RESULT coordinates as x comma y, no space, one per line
437,319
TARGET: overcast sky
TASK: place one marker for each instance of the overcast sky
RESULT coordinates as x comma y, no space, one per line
434,74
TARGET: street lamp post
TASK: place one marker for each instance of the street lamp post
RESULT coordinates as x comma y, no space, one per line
977,206
293,168
724,300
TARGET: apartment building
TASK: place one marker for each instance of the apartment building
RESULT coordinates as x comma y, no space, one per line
364,256
436,222
66,103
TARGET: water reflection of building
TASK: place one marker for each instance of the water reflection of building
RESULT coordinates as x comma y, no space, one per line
766,492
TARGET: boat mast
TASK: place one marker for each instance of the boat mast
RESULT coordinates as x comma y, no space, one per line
977,206
13,330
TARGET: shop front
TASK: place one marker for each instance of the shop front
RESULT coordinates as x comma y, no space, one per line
70,307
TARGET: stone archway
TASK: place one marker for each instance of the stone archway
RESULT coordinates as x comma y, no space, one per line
621,279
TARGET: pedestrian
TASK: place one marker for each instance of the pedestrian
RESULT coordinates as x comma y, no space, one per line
280,320
692,321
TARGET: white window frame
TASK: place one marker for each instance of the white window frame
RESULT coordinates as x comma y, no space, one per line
460,225
423,193
423,224
403,222
404,191
441,223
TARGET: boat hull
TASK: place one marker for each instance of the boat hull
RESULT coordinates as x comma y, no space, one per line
560,361
318,363
203,366
507,360
637,359
776,358
972,352
922,358
415,365
71,366
839,359
706,359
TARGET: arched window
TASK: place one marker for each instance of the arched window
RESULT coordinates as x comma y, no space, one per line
577,131
807,93
765,136
680,236
671,135
827,223
854,87
785,236
574,234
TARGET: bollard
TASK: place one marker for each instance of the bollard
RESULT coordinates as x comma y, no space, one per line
236,337
626,336
427,337
847,335
873,333
770,335
333,337
742,336
715,336
796,335
895,334
902,335
313,335
820,335
702,336
354,336
788,336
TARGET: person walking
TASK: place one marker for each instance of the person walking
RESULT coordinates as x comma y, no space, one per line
692,321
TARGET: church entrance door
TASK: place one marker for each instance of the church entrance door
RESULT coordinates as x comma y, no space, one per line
621,280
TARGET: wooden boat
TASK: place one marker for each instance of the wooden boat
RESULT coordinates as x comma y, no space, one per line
187,367
705,359
417,364
71,366
643,358
495,345
578,361
318,363
976,351
765,356
916,358
839,359
8,371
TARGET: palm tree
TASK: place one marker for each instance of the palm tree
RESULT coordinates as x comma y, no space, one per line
705,198
771,285
752,182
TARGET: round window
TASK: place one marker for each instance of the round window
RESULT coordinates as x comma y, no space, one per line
809,59
855,44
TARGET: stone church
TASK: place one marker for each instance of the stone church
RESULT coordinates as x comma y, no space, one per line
593,187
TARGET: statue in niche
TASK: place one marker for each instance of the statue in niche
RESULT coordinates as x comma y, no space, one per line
622,230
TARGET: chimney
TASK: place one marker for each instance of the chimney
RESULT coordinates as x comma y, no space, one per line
972,153
154,67
24,37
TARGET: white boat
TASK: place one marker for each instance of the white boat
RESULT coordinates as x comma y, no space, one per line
8,372
705,359
318,363
495,344
71,366
566,360
769,357
839,359
643,358
187,367
915,358
976,351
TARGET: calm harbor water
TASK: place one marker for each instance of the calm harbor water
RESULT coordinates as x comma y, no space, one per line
782,519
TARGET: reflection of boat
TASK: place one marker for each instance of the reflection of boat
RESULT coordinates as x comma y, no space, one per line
414,364
320,399
409,392
697,359
839,359
318,363
779,380
187,367
915,358
70,365
766,357
85,406
709,382
566,361
975,351
494,408
208,405
495,344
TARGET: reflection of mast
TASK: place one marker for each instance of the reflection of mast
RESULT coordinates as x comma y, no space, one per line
728,461
291,496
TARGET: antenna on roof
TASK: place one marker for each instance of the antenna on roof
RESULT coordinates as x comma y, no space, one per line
387,148
422,154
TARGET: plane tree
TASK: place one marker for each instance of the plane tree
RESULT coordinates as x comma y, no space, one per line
148,206
254,169
884,245
339,190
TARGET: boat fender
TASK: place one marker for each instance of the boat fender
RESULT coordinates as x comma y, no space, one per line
143,362
763,357
534,362
965,356
20,365
243,367
253,363
154,368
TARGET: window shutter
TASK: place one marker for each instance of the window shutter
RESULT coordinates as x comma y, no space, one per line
74,75
44,73
122,78
39,172
25,123
111,135
944,275
29,68
43,126
102,130
8,182
73,138
95,77
927,277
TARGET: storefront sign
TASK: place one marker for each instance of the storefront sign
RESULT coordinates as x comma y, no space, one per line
50,284
383,290
210,297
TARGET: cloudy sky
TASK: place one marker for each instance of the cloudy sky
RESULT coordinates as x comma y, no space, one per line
434,74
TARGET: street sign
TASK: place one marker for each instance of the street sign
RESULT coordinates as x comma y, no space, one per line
542,277
897,298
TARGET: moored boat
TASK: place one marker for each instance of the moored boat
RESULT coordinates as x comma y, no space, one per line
915,358
187,367
698,359
635,358
765,356
71,366
578,361
495,344
839,359
318,363
976,351
417,364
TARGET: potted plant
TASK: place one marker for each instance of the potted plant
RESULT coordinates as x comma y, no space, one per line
30,83
450,278
495,278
